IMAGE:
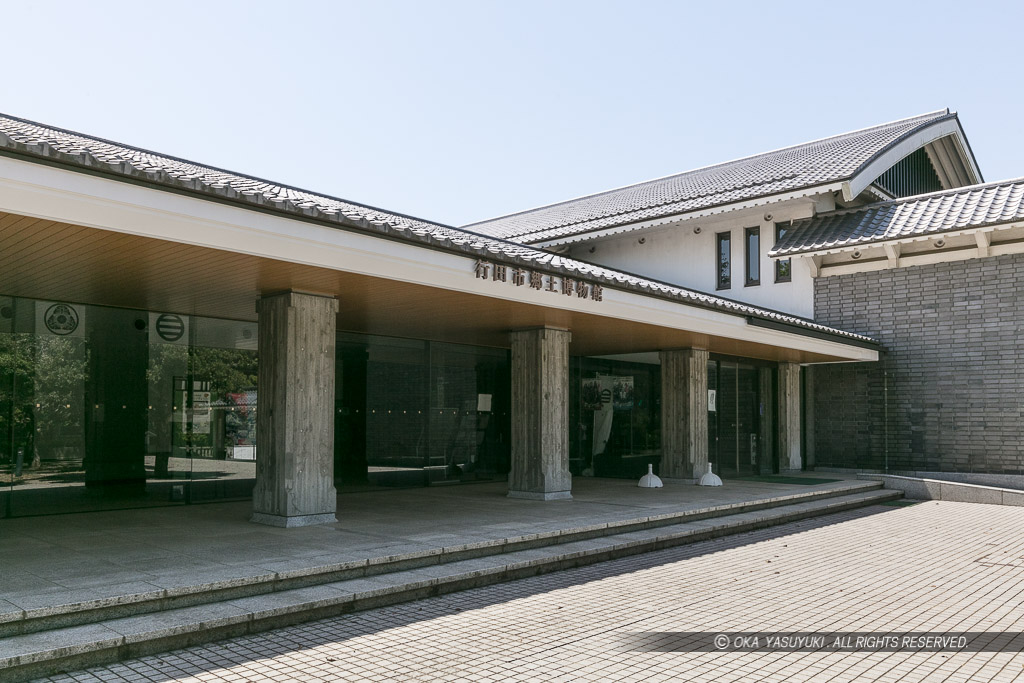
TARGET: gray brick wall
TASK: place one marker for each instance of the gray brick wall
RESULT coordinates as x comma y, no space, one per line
949,392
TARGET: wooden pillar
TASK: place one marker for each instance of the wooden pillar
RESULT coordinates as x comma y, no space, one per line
540,415
295,420
684,414
789,417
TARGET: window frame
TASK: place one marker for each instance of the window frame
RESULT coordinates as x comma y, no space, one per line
780,229
751,259
723,281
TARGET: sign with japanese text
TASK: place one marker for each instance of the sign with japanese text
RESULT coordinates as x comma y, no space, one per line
521,277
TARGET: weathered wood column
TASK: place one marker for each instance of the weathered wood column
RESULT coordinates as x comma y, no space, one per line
789,417
295,421
540,415
684,413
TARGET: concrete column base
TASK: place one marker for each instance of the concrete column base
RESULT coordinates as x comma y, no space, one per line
535,495
684,480
294,521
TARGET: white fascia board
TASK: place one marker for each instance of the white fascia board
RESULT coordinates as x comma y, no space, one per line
56,194
890,157
919,259
860,246
961,145
690,215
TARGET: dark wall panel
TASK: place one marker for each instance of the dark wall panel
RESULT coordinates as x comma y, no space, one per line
949,392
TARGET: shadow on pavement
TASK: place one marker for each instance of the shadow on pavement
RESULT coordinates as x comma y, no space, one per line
276,642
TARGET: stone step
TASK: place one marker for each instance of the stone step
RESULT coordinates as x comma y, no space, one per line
44,653
241,585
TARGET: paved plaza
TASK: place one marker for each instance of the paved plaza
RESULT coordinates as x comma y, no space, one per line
94,556
933,566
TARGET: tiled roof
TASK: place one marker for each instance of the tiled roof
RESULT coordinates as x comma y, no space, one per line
975,206
33,141
811,164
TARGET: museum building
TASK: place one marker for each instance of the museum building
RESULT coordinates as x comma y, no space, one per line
173,333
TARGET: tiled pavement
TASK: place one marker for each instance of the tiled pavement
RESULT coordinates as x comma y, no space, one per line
57,559
934,566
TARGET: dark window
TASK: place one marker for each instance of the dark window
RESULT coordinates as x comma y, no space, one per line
783,266
724,260
753,272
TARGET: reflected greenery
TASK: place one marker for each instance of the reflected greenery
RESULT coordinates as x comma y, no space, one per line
40,380
227,370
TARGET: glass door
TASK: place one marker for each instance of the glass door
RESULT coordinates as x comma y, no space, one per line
733,419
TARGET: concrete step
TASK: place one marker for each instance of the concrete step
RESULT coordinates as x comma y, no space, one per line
79,646
241,585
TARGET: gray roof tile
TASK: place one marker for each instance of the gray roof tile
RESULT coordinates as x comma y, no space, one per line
811,164
36,142
975,206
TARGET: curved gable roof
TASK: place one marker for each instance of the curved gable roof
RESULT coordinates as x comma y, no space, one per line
849,157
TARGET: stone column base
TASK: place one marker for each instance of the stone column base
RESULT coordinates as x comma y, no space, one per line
539,495
295,521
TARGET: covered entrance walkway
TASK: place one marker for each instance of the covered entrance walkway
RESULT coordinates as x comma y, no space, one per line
173,337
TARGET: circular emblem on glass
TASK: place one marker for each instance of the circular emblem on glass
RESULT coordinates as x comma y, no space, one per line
170,327
61,319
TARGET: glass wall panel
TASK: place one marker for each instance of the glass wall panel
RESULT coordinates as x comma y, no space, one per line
728,438
10,413
469,413
351,468
411,412
167,403
396,393
748,419
104,408
714,410
219,434
614,417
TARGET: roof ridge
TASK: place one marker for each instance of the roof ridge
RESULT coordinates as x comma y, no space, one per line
932,114
218,169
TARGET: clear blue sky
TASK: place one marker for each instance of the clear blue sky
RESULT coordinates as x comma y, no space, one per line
459,111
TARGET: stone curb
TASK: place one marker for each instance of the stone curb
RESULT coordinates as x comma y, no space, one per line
920,488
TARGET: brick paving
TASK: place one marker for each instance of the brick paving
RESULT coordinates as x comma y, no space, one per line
935,566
